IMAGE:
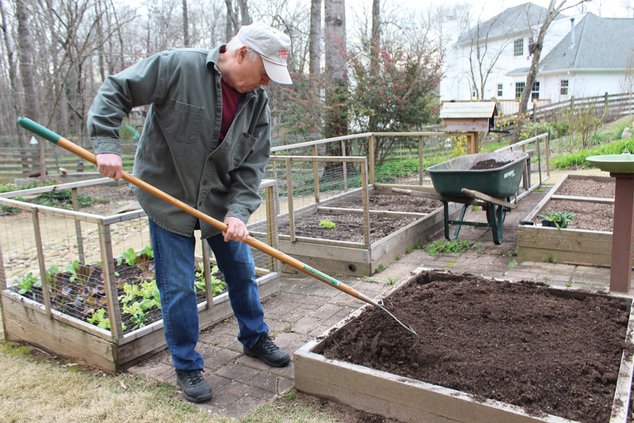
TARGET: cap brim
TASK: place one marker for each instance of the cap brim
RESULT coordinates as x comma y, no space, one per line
277,73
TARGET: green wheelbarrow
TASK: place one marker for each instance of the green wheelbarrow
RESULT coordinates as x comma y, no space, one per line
487,179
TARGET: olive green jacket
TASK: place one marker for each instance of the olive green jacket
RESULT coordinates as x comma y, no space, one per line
178,151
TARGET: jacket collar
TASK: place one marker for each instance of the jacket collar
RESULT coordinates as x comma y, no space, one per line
212,64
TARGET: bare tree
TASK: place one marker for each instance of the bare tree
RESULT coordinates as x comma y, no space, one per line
314,42
25,44
232,20
185,25
16,101
554,9
336,69
244,12
375,39
483,56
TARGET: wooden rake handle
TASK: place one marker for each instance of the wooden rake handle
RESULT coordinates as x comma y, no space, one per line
255,243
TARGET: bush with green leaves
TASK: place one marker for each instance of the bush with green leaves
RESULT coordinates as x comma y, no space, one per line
62,199
578,159
390,170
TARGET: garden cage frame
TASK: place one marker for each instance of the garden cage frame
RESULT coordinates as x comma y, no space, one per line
306,173
37,244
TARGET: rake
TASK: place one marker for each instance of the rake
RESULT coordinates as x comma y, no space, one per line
255,243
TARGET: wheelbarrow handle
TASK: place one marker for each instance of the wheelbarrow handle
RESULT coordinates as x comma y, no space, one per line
255,243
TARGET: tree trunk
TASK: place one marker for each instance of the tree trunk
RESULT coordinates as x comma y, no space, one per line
231,27
551,15
314,42
25,44
185,25
336,70
244,12
13,80
375,47
101,44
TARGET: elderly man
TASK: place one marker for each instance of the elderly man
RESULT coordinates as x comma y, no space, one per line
206,141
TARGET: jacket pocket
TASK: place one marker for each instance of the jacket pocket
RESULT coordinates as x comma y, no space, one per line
182,121
241,149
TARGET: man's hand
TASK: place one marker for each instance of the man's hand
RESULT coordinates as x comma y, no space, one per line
110,165
236,230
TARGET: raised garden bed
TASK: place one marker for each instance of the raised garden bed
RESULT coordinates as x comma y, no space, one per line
360,238
587,239
57,294
488,350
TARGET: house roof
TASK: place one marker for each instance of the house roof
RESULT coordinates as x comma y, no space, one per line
468,109
599,43
512,20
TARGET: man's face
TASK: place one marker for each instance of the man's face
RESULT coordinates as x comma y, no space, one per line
250,72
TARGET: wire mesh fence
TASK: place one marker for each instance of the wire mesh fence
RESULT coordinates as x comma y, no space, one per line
55,256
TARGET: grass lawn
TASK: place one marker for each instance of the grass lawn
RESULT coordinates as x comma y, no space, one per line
36,387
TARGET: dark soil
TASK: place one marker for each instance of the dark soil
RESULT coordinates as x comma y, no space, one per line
587,188
349,226
488,164
519,343
81,294
588,215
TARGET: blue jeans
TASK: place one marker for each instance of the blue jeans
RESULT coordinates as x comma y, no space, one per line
174,272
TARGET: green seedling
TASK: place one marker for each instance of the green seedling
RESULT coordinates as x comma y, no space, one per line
27,283
129,256
218,286
99,319
147,250
550,258
327,224
72,269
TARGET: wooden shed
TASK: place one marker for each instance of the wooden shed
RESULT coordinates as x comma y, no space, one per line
469,118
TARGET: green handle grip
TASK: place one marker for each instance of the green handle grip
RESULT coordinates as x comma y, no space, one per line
38,129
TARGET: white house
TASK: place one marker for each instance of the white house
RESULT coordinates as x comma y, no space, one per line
596,57
491,59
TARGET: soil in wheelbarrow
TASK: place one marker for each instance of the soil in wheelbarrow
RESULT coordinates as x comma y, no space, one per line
518,343
348,226
488,164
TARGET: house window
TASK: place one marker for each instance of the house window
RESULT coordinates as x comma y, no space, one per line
563,87
519,88
518,47
535,91
531,45
500,90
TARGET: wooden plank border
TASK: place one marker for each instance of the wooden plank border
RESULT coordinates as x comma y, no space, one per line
410,400
570,246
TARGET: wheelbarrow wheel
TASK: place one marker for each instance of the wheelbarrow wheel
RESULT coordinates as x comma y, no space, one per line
495,218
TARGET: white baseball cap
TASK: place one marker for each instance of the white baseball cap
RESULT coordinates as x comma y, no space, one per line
272,45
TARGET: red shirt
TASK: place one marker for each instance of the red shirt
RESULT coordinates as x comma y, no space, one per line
230,101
